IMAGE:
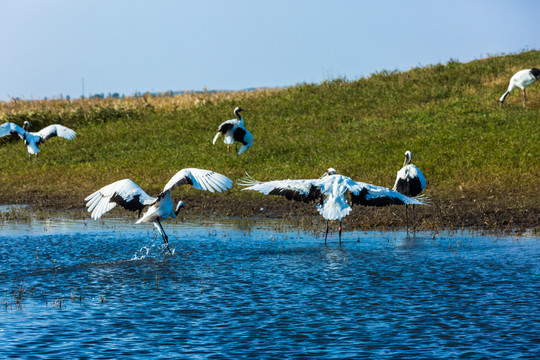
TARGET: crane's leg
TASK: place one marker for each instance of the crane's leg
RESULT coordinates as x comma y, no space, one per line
524,97
326,235
407,216
165,238
228,148
339,232
413,220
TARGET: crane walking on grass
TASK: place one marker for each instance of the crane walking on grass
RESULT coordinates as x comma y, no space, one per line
410,182
330,193
521,79
234,131
131,197
33,140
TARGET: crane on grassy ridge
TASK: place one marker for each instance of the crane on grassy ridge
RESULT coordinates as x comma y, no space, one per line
410,182
234,131
130,196
330,193
521,79
33,140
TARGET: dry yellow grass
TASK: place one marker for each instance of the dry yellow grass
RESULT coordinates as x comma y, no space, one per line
63,107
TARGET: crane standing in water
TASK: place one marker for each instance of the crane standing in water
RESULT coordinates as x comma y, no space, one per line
131,197
330,193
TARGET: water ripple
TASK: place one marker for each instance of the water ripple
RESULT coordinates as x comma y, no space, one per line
232,293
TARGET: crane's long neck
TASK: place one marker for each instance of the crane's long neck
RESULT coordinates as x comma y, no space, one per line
503,97
178,207
407,160
237,113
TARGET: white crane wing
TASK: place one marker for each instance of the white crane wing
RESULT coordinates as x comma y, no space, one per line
225,127
228,125
200,179
11,128
56,130
122,192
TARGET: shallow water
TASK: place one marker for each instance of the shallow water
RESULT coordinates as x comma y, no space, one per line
242,290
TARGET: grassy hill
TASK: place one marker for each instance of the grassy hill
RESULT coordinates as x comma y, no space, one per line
481,161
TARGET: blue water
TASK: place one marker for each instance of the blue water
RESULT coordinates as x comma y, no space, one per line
243,290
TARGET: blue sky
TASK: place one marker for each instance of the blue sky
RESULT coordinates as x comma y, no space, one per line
47,47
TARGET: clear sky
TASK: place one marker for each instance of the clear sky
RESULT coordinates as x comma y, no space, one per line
47,47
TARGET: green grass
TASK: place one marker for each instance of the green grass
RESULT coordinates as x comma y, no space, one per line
447,114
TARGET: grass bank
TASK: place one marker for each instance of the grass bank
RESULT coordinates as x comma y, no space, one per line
481,162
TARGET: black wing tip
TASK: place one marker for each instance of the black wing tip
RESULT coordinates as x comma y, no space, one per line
131,205
361,199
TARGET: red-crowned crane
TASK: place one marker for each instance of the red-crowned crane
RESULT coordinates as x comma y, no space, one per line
131,197
330,193
410,182
234,131
32,140
521,79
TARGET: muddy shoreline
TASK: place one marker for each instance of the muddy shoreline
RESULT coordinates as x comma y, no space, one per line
439,215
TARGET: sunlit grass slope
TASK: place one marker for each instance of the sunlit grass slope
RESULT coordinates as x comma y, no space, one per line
448,115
